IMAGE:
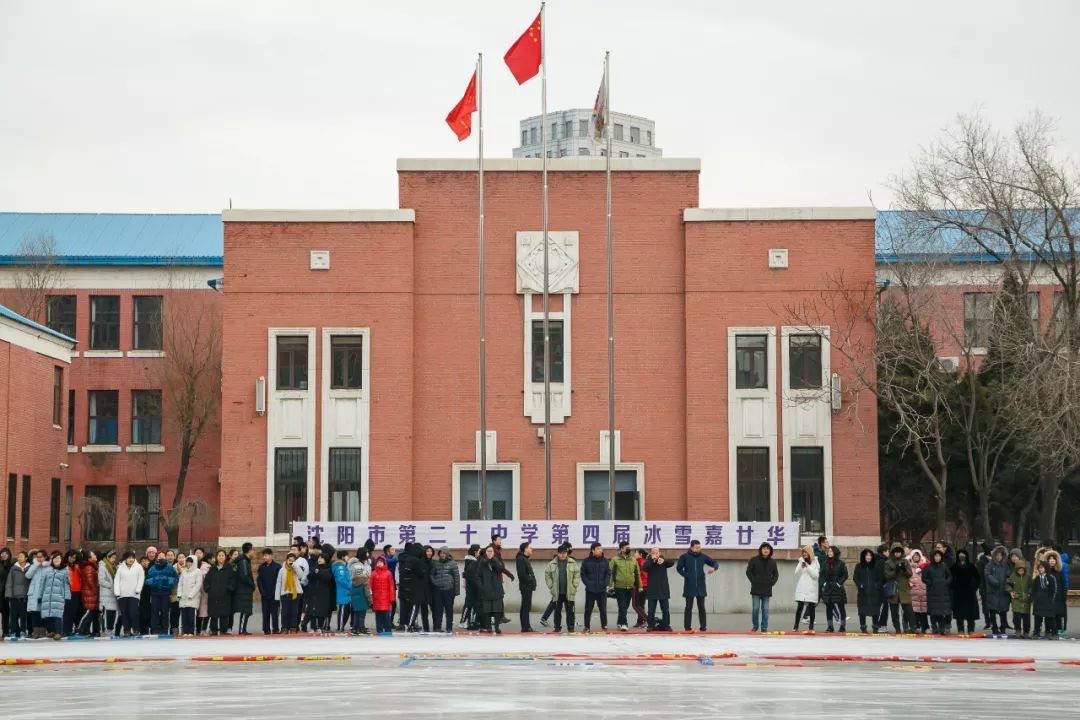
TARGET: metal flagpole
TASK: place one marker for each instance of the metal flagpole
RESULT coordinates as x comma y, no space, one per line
610,306
544,219
483,339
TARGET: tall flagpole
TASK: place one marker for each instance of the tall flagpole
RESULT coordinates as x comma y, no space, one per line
610,306
483,339
544,217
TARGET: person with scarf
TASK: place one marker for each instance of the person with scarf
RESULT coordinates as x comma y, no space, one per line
287,591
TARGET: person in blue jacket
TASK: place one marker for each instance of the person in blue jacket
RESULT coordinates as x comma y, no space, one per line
343,586
596,577
161,578
692,566
390,555
53,594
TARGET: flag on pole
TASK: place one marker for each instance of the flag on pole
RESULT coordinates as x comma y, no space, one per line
460,118
523,57
599,111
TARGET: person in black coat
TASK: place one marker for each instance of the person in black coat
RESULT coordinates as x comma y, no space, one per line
938,580
658,591
405,585
219,583
763,574
243,602
266,580
526,583
869,579
418,567
321,593
965,586
489,579
1045,591
470,615
834,575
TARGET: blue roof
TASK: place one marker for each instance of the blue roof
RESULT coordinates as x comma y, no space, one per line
117,238
12,315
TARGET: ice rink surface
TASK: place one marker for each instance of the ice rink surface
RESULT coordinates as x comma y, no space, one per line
597,676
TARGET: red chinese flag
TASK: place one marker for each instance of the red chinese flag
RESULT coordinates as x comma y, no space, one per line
523,57
460,118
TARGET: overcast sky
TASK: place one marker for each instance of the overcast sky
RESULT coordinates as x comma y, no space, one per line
178,106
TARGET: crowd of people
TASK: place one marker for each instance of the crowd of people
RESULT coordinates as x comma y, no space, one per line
319,589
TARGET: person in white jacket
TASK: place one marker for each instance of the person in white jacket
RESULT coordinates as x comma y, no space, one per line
189,594
127,586
106,596
807,571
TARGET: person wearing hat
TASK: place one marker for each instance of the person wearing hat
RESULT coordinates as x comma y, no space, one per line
446,583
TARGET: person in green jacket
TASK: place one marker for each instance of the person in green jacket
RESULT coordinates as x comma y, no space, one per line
1019,587
898,588
625,578
562,576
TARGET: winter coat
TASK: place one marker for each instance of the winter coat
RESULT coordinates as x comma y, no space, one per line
33,592
806,581
321,591
419,572
55,591
994,577
625,572
342,582
445,575
918,587
965,585
938,579
692,568
898,570
595,574
1044,591
161,578
75,579
382,589
833,576
106,596
1018,585
218,583
204,599
472,590
16,586
128,581
359,585
266,579
189,588
6,564
244,587
762,572
279,584
573,577
526,576
659,588
88,573
489,578
1061,598
869,580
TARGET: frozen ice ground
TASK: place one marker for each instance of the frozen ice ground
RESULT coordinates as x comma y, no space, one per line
607,676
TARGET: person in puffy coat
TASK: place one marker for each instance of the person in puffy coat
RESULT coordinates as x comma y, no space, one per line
869,578
33,594
898,572
106,596
445,585
965,588
938,580
127,587
997,594
289,591
470,614
54,594
1044,591
807,572
596,577
489,578
243,588
383,596
834,574
319,595
918,591
161,578
1019,587
1053,561
189,595
203,624
74,610
360,591
16,587
90,594
763,574
342,589
219,583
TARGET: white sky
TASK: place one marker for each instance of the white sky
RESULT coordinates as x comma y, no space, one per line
145,106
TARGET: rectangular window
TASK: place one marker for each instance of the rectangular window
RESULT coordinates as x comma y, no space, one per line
532,136
71,418
563,152
98,513
69,501
290,487
752,476
524,137
623,153
344,484
54,511
618,131
583,128
58,395
60,314
25,507
347,362
103,413
144,512
147,331
568,129
751,362
583,151
554,131
105,322
648,137
808,489
635,134
627,502
292,362
978,317
500,495
145,417
804,362
12,489
556,350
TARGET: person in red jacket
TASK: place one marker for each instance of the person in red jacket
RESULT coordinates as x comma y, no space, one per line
382,596
88,590
638,598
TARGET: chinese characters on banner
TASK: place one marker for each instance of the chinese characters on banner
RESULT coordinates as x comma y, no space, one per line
552,533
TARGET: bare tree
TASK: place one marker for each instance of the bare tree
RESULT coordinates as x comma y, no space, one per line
36,276
94,514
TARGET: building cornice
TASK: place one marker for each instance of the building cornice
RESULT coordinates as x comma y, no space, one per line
565,164
319,216
777,214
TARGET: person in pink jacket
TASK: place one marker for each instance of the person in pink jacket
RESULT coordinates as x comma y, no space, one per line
204,608
918,591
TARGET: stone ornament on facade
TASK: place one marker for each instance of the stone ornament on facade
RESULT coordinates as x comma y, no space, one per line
562,262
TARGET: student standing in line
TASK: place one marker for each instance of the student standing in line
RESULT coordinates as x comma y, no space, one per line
807,590
266,580
763,574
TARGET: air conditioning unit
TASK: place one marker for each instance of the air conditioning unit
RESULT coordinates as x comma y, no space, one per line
949,364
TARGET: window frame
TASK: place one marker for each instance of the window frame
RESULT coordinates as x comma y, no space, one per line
635,135
618,135
64,325
71,418
280,498
752,352
93,419
146,428
111,534
602,477
25,512
110,327
352,347
344,485
975,327
153,326
558,367
799,370
152,519
761,454
583,128
819,452
54,510
58,396
293,354
12,505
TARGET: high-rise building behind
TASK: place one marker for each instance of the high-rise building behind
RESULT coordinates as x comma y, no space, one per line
570,133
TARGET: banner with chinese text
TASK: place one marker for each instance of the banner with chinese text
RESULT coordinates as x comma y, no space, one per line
548,534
